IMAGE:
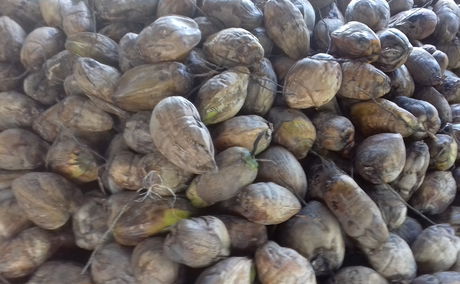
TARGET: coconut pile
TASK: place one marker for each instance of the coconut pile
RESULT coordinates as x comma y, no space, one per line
229,141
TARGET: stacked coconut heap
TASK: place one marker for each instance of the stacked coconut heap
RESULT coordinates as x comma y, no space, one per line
229,141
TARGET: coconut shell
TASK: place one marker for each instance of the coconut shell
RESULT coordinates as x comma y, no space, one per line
312,82
234,13
409,230
232,270
286,27
149,262
93,45
11,76
17,110
394,210
243,131
129,11
423,67
436,193
169,38
179,135
39,88
380,158
129,53
374,14
357,275
432,96
143,87
416,23
176,7
23,254
413,174
237,168
362,81
280,166
435,249
12,218
21,149
112,261
13,36
53,272
381,115
334,132
137,133
223,96
197,242
262,87
324,27
396,48
266,203
393,260
356,40
443,152
233,47
245,236
47,199
276,264
426,114
89,222
315,233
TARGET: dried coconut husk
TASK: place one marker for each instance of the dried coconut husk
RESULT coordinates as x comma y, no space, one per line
446,277
416,23
110,262
243,131
276,264
69,15
396,48
380,158
450,87
124,171
374,14
233,270
262,88
265,203
334,132
397,6
286,27
394,210
308,12
17,110
89,222
234,13
312,82
176,7
21,149
233,47
208,26
41,44
316,234
143,87
448,24
413,174
357,275
129,54
93,45
325,26
53,272
423,67
432,96
443,151
137,133
39,88
455,108
8,176
151,264
264,40
452,50
222,96
381,115
237,168
436,193
27,14
409,230
11,75
355,40
280,166
179,135
23,254
127,11
12,218
169,38
117,30
245,236
435,249
442,60
13,36
197,242
362,81
47,199
58,67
